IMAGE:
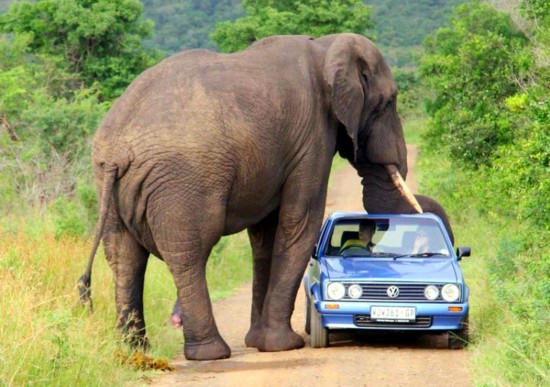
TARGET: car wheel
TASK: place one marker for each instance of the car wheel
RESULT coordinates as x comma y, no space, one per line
319,334
459,339
308,316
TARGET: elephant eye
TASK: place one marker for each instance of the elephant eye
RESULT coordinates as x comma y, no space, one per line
379,104
391,102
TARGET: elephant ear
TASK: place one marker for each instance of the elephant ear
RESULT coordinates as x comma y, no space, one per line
342,72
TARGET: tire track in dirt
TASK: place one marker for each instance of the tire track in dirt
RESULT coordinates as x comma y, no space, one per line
352,359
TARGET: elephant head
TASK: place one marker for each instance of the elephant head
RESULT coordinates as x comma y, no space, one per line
363,97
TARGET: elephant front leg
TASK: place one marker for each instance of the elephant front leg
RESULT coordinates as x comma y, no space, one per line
294,241
262,237
128,261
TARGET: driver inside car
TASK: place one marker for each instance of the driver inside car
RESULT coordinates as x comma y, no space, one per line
364,244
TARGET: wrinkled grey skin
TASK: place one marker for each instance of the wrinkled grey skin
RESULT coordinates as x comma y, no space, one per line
205,144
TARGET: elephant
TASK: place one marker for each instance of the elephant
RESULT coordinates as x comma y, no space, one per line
205,144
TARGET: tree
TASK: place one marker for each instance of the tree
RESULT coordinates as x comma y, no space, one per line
473,66
98,40
271,17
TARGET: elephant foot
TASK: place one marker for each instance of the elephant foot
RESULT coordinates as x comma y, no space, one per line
274,340
135,338
138,343
213,349
253,337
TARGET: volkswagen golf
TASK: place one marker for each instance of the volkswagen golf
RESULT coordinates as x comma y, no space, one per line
388,273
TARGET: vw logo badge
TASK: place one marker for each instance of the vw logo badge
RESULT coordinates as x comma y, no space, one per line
393,291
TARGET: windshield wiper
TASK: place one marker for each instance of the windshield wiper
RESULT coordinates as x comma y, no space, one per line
378,254
427,255
420,255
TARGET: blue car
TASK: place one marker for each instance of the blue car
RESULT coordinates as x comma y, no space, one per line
387,273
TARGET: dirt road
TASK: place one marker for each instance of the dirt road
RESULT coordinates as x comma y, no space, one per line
351,360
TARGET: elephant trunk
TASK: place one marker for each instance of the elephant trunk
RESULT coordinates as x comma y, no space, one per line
385,191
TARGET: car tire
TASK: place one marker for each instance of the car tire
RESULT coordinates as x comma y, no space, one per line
459,339
308,315
319,334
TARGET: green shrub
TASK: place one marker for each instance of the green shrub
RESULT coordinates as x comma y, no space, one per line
469,65
68,219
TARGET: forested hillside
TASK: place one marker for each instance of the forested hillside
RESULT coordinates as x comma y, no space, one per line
187,24
183,24
401,26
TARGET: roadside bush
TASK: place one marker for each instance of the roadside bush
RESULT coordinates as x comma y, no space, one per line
471,66
68,219
490,115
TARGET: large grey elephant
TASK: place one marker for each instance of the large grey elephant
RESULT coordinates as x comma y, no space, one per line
205,144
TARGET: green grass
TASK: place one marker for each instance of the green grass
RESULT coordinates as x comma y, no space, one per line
47,338
414,126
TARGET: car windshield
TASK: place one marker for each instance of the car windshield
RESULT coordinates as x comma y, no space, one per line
387,237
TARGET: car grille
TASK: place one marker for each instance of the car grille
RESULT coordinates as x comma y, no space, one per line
365,321
407,292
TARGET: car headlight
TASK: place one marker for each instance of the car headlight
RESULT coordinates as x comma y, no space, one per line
450,292
336,291
355,291
431,292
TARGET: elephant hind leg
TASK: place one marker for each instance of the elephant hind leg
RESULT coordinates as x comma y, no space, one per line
202,338
128,261
185,248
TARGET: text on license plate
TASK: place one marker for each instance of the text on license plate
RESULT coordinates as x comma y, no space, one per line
392,314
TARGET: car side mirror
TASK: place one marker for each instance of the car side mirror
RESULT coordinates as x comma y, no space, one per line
463,251
315,254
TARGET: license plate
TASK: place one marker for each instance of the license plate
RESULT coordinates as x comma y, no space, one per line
392,314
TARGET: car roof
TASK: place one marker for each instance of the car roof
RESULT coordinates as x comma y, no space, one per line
363,215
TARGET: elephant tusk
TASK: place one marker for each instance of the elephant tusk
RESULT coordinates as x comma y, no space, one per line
402,187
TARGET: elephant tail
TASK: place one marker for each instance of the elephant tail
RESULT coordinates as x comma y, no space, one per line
85,281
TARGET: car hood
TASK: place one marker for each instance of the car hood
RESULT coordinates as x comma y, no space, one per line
402,269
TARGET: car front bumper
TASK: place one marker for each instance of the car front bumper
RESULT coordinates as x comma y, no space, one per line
356,315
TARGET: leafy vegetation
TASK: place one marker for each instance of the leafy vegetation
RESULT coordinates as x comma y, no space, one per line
94,41
469,66
489,116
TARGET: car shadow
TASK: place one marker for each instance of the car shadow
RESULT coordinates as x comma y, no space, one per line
395,339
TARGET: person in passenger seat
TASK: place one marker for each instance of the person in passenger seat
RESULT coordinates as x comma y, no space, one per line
421,243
